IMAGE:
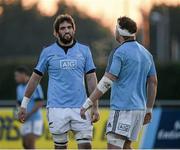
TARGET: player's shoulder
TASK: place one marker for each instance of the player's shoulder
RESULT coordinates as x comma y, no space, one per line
148,52
49,47
126,44
84,49
118,50
144,50
83,46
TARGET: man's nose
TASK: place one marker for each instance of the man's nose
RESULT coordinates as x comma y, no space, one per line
66,30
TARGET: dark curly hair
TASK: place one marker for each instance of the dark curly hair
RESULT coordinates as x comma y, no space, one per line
128,24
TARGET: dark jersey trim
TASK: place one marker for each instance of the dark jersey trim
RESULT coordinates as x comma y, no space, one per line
128,41
91,71
38,72
124,43
65,48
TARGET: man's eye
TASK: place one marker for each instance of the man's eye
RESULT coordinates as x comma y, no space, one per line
69,27
62,28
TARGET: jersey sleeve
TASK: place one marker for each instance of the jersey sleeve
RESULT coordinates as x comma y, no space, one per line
89,64
114,64
152,70
38,94
18,96
41,66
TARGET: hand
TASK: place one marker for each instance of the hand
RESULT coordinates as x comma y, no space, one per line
147,118
15,113
22,114
94,114
83,113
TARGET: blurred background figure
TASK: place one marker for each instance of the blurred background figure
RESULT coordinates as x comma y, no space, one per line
33,126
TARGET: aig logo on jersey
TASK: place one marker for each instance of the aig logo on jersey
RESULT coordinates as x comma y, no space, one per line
68,64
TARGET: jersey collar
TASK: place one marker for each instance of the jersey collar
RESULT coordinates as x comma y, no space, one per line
65,48
128,41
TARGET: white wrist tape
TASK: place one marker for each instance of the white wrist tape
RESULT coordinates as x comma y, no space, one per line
104,84
25,102
88,103
149,110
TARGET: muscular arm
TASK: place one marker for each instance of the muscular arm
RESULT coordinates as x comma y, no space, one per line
91,80
104,84
151,90
97,93
32,84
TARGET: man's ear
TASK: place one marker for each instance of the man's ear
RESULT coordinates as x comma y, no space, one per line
55,34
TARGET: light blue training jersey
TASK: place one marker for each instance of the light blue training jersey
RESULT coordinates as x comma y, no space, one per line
37,96
66,87
131,63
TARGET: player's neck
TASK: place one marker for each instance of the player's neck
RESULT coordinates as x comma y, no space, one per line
122,40
130,39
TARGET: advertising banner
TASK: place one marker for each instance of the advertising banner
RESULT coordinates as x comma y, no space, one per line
164,131
10,136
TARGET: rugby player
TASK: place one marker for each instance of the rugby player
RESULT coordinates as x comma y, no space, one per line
131,74
33,126
67,62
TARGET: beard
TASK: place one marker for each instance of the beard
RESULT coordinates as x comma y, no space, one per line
66,39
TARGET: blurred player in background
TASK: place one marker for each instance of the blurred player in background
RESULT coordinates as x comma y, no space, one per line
131,74
33,126
67,63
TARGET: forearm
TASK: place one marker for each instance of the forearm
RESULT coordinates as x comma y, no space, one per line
151,94
95,96
102,87
91,84
32,84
